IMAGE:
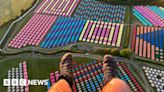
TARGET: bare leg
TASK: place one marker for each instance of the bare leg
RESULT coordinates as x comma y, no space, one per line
61,86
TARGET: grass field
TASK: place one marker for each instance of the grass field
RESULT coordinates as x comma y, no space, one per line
10,9
38,68
3,29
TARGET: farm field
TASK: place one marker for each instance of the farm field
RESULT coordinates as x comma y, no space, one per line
10,9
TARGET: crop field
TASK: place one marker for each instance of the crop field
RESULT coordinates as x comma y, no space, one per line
9,9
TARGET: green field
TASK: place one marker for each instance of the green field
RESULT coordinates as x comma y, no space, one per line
39,67
3,29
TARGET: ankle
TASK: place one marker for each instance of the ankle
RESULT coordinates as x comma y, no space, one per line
69,80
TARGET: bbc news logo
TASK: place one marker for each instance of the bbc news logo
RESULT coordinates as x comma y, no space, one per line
24,82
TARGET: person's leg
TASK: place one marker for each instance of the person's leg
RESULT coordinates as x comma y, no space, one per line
61,86
65,80
116,85
109,68
110,83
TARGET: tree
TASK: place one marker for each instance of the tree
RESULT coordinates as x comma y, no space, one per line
126,53
107,51
115,52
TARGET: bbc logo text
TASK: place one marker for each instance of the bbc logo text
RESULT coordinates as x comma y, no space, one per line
24,82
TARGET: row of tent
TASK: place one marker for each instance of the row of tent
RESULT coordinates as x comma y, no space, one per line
148,42
149,15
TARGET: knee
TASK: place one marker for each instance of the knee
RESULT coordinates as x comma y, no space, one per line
116,85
